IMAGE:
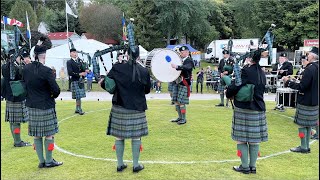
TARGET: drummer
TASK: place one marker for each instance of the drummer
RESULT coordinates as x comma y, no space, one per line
283,67
307,103
181,89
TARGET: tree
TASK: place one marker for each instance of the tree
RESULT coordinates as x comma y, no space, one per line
18,12
104,21
6,7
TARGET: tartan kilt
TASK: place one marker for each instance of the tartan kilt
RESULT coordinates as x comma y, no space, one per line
126,123
221,86
42,122
180,94
16,112
170,86
77,92
249,126
306,115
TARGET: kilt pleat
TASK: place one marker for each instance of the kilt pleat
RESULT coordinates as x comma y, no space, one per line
16,112
126,123
221,86
249,126
306,115
77,92
180,94
170,86
42,122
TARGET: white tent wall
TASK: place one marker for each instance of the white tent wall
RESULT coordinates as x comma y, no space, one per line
57,57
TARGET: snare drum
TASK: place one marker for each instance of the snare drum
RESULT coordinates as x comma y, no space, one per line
159,62
280,83
287,97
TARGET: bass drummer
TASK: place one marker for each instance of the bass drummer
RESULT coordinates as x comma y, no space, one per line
181,89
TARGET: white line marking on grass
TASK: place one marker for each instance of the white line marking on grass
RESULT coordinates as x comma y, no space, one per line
169,162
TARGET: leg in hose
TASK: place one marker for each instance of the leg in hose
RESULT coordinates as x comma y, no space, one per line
179,114
221,99
49,147
38,146
119,143
253,153
308,136
243,154
183,111
136,144
79,109
303,137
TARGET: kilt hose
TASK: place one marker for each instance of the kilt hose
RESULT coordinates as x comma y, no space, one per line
126,123
180,94
16,112
170,86
249,126
306,116
42,122
77,92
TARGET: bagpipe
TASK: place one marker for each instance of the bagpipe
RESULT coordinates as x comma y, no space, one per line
84,65
128,47
246,92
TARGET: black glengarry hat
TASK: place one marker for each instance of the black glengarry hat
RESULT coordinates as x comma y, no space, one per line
315,50
283,55
183,48
73,49
39,49
225,51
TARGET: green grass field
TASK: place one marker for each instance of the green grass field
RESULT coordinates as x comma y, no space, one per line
200,149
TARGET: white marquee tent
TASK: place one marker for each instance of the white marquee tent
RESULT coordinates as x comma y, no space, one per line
57,57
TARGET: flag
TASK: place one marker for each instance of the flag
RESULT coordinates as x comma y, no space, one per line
12,22
124,29
69,11
28,33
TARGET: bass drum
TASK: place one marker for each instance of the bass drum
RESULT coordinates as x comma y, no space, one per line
159,62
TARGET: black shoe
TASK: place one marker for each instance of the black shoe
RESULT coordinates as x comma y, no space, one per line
172,103
81,113
300,150
22,144
54,163
76,111
182,121
253,170
220,105
315,137
121,168
175,120
42,165
137,169
241,169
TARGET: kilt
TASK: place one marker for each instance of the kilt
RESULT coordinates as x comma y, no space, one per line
249,126
16,112
306,115
180,94
221,86
77,92
170,86
42,122
126,123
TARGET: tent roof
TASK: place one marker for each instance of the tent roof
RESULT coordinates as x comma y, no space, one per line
191,49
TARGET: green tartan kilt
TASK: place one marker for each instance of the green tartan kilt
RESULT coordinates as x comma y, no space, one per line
306,115
126,123
77,92
170,86
249,126
221,86
16,112
43,122
180,94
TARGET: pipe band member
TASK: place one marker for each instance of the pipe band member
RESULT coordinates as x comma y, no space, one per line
42,89
76,73
307,109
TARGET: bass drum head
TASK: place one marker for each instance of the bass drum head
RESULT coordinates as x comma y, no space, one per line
161,65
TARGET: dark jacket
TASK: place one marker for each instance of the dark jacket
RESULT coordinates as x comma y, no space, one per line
7,92
74,70
128,94
222,63
249,75
186,70
285,66
308,86
41,85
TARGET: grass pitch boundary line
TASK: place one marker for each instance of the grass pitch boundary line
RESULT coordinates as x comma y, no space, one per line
168,162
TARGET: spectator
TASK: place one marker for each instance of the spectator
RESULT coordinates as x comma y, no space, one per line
89,80
62,75
200,75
